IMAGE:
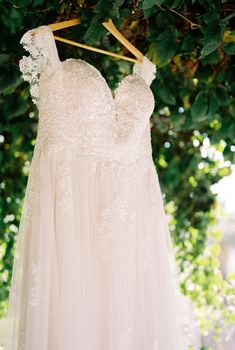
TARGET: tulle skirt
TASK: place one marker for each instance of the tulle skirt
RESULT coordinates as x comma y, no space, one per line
93,267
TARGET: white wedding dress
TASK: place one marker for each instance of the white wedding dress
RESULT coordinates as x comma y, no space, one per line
94,266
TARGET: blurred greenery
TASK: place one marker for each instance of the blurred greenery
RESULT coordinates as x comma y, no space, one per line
193,124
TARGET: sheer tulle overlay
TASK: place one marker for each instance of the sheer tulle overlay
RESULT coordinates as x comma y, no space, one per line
94,265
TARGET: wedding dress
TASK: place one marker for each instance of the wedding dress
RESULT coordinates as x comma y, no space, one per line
93,266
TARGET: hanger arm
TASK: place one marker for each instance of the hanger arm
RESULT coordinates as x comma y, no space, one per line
110,27
113,30
64,24
91,48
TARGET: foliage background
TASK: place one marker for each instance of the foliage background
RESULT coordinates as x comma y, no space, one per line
193,124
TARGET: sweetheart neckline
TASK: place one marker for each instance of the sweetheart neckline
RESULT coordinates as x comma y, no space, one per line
28,42
112,92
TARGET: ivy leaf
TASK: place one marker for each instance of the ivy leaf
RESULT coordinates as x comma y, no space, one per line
200,107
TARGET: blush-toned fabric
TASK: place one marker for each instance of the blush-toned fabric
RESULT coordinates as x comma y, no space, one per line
94,264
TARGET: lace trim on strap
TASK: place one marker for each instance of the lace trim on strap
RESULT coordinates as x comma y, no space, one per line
41,47
31,66
146,69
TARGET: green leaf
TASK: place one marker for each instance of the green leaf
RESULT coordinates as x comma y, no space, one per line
209,5
4,59
200,107
176,4
95,30
38,2
213,104
150,3
221,95
24,3
229,48
227,18
209,18
188,43
204,72
148,12
209,48
103,6
212,38
9,78
213,57
119,2
14,106
166,44
165,94
12,19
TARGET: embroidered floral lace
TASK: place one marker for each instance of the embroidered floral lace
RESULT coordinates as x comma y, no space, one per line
94,264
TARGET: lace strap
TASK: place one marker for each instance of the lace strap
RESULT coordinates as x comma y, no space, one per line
146,69
40,44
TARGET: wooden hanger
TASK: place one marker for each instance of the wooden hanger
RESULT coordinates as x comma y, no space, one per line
109,25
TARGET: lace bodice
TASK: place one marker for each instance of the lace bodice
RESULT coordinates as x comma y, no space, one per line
77,109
